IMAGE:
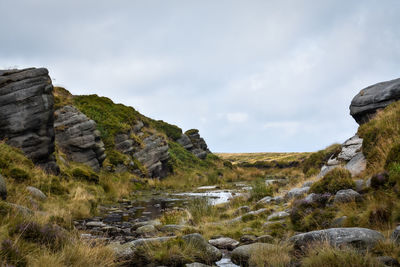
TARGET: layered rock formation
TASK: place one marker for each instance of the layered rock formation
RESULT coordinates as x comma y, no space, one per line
350,157
193,142
154,156
26,114
77,137
372,98
151,152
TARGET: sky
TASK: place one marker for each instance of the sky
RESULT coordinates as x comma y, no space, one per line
252,76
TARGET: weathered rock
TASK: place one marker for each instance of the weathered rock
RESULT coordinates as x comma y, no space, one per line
361,238
372,98
224,243
307,184
350,158
339,222
241,255
346,195
154,156
36,193
297,192
277,216
211,253
171,228
185,142
146,230
3,188
95,224
26,114
241,210
357,164
247,239
200,148
77,137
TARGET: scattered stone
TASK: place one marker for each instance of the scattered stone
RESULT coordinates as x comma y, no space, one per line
241,255
211,253
3,188
26,114
122,251
346,195
265,239
96,224
277,216
146,230
361,238
372,98
247,239
36,193
224,243
297,192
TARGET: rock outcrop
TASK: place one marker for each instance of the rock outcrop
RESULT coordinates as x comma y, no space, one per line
26,114
77,137
193,142
151,152
372,98
154,156
350,158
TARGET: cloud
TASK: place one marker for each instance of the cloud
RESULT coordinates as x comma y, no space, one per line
251,75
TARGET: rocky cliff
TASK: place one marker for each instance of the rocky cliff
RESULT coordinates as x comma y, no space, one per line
26,114
78,138
193,142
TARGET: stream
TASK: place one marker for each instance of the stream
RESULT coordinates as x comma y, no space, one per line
118,222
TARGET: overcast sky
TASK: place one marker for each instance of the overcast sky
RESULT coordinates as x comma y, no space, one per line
253,76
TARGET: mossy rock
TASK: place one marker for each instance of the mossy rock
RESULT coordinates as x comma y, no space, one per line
335,180
87,175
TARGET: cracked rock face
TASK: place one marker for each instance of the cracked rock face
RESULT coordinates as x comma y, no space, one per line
350,157
372,98
26,114
154,156
193,142
77,137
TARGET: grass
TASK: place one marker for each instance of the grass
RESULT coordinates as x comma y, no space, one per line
275,255
335,180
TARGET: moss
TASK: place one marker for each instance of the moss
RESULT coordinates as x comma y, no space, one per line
335,180
62,97
111,118
18,174
85,174
192,131
53,186
317,159
393,156
116,158
170,130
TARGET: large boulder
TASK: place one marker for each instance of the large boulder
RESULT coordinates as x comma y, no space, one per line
3,188
26,114
224,243
77,137
211,253
372,98
361,238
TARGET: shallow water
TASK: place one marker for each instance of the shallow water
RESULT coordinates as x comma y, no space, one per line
215,197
